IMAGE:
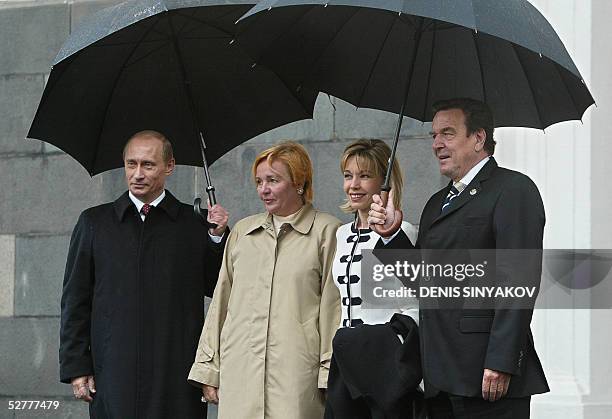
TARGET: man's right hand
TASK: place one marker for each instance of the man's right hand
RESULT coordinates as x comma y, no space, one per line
383,216
84,387
211,394
219,216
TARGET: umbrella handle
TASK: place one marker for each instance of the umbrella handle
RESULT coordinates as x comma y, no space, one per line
200,213
210,190
389,231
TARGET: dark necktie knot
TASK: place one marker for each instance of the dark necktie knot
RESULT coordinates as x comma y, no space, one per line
145,209
452,194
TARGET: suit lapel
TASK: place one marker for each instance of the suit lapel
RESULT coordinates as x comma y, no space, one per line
470,192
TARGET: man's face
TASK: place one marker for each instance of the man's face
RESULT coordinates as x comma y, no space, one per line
145,169
456,151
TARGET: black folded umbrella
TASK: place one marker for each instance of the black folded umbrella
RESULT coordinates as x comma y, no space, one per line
171,66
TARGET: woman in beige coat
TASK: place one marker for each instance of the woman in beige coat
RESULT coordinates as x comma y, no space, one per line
265,347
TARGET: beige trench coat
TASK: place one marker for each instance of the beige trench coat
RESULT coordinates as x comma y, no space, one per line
266,341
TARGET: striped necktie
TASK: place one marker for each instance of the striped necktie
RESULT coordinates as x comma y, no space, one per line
454,192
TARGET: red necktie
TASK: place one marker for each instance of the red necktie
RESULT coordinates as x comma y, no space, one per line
145,209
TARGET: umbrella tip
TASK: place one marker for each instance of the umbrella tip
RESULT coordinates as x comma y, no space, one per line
269,8
325,4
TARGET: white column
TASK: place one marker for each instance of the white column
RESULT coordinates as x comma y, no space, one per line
598,400
570,164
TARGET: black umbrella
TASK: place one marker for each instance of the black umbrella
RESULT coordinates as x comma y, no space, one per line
170,66
404,55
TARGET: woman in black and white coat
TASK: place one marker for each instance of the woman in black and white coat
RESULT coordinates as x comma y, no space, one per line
355,365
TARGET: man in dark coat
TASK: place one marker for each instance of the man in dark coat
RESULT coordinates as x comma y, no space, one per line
133,296
477,363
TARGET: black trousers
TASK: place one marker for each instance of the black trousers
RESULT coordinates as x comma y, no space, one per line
448,406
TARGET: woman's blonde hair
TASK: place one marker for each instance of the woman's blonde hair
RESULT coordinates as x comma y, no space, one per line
296,158
373,156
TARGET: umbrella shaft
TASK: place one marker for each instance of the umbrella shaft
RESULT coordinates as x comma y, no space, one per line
417,41
387,184
210,189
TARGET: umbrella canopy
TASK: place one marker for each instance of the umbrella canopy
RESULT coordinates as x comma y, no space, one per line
386,53
164,65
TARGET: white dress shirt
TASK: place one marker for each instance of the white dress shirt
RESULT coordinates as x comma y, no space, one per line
473,172
139,204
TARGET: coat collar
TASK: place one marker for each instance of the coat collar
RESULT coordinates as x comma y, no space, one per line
169,204
471,191
302,224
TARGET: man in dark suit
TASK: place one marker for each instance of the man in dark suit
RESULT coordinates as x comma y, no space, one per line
133,296
476,363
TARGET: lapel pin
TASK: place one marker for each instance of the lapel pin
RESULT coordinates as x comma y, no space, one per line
473,192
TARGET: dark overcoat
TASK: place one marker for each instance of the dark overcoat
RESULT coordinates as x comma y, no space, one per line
499,209
133,307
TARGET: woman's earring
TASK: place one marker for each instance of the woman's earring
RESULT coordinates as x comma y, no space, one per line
300,191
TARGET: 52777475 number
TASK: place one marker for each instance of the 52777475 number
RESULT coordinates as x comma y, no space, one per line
33,404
